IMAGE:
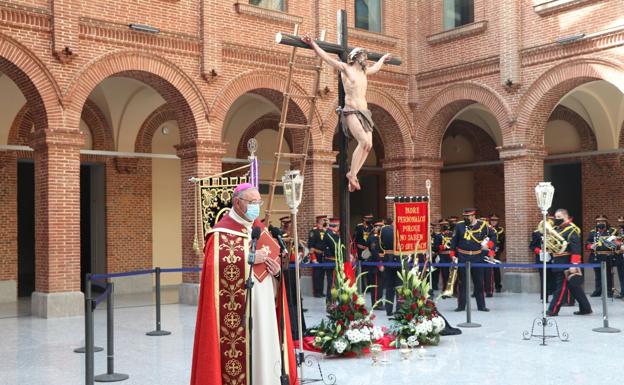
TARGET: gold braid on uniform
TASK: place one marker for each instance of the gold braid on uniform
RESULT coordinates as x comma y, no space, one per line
470,234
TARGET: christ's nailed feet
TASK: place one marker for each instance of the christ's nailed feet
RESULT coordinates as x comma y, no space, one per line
354,184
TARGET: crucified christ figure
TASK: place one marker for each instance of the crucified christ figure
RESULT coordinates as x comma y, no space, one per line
355,118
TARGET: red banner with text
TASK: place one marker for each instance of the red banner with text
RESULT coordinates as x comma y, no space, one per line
411,226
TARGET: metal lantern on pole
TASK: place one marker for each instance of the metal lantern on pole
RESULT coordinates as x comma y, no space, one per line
544,192
293,192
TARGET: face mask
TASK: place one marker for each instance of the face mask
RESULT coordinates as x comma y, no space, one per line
466,221
601,226
445,228
253,211
622,226
325,225
558,221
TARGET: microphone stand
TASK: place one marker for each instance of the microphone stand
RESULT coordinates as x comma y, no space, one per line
248,305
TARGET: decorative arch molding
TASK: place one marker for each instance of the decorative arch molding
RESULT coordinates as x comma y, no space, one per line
387,103
177,88
101,132
584,130
269,121
437,114
545,93
254,80
157,118
35,81
19,133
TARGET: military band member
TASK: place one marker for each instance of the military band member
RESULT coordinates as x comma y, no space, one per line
499,248
316,245
536,247
390,274
285,226
619,255
442,246
469,241
375,272
601,250
489,254
332,244
568,278
362,231
452,223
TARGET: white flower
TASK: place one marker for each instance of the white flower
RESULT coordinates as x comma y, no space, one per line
340,345
354,336
317,340
428,325
376,333
438,324
412,341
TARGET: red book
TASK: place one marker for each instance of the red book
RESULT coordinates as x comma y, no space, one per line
267,242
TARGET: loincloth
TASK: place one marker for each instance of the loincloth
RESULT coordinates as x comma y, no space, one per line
364,116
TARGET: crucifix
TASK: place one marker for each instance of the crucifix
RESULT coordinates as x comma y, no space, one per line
341,49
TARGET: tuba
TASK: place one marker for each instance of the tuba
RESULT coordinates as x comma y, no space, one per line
556,244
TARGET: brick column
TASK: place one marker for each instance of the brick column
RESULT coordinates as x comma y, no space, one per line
199,158
429,168
524,169
317,190
8,227
57,229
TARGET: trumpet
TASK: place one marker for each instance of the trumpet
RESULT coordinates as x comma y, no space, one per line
556,244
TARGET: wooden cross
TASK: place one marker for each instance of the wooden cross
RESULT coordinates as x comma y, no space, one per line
342,50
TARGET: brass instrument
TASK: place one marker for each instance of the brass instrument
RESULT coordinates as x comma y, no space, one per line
450,285
556,244
607,241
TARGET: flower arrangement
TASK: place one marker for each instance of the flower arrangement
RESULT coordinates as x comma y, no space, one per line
417,321
349,326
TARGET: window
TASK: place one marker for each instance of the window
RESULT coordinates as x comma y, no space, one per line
278,5
368,15
458,13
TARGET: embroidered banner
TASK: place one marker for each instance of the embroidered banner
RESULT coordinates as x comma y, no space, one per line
411,226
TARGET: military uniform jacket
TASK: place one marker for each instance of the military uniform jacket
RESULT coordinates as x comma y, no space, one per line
500,239
572,234
594,238
441,242
467,238
375,248
331,241
362,231
536,241
316,239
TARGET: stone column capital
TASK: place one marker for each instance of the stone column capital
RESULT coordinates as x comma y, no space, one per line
201,148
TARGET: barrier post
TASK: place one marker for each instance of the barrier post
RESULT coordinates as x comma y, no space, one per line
110,375
88,295
158,331
88,348
605,315
468,276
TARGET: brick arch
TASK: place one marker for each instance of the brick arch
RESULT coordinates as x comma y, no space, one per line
545,93
34,80
444,106
584,130
390,106
177,88
19,133
157,118
251,81
101,132
622,136
481,142
378,146
268,121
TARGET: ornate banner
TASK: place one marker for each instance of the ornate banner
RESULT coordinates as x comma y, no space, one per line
411,226
215,197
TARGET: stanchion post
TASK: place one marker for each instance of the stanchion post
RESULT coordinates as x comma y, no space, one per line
468,276
605,315
88,332
158,331
110,375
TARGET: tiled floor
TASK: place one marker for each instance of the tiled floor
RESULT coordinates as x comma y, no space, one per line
36,351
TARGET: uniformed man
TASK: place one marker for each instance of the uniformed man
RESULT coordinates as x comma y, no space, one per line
285,226
362,231
442,246
332,242
571,277
619,255
375,272
390,273
601,244
316,246
468,242
435,271
489,255
536,247
452,222
499,248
